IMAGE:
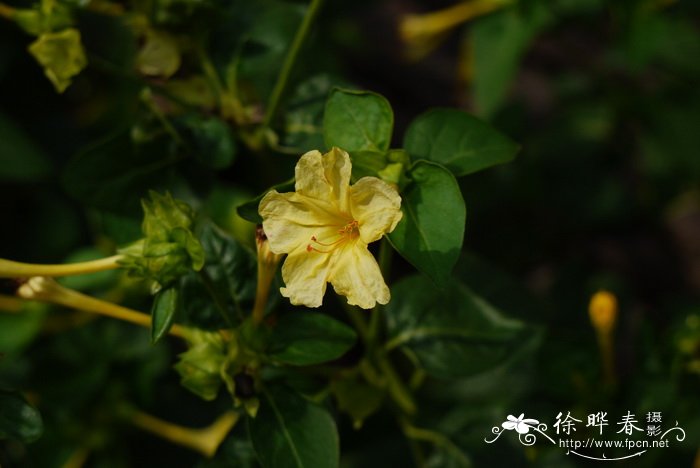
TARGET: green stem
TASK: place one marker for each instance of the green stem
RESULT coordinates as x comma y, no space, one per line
211,73
229,104
397,389
288,65
147,97
357,318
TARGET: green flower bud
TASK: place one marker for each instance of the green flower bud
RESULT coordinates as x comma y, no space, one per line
200,367
169,249
61,55
213,360
159,56
38,20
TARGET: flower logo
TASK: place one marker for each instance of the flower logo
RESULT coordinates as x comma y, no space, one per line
522,426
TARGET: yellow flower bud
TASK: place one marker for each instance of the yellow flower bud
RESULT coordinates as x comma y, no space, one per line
602,311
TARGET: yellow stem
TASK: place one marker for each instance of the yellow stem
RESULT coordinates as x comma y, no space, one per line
54,324
106,8
10,304
607,355
265,277
415,27
6,11
48,290
436,439
77,458
205,441
10,269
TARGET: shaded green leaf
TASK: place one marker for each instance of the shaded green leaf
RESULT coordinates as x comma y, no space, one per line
267,42
20,158
357,399
17,330
116,173
304,115
431,232
460,142
291,432
306,338
211,140
165,306
358,121
451,331
222,206
18,419
499,42
226,286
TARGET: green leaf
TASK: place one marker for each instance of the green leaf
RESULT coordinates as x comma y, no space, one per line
20,158
18,419
306,338
367,163
249,210
291,432
165,306
499,42
358,121
460,142
451,331
431,232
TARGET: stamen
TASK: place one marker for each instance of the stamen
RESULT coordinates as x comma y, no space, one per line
349,231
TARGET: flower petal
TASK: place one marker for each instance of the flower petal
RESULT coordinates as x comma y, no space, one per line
356,275
508,425
522,428
305,275
376,205
325,177
290,220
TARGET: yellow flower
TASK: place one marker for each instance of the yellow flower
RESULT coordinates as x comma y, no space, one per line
325,227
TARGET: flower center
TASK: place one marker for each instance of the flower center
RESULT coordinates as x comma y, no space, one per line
348,232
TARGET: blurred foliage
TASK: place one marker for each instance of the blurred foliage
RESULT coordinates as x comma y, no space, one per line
213,102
